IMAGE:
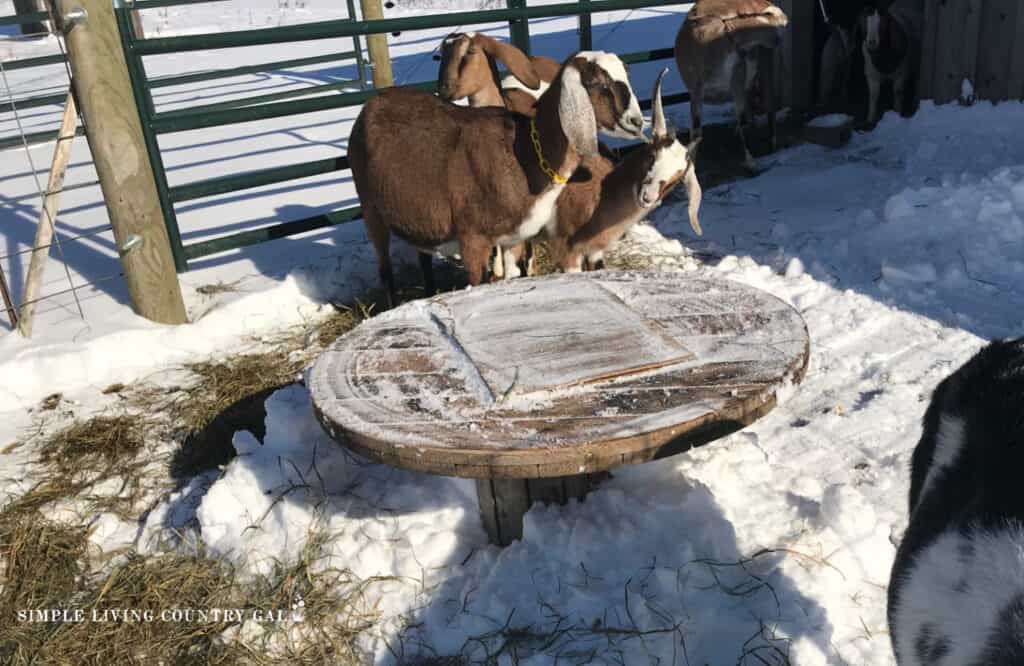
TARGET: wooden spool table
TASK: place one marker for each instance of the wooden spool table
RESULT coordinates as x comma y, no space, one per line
536,386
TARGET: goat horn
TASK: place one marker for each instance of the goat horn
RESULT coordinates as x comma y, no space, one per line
658,126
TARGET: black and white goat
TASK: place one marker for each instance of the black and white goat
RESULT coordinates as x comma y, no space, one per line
956,594
437,174
892,48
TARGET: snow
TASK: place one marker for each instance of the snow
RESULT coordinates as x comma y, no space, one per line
903,252
830,120
967,91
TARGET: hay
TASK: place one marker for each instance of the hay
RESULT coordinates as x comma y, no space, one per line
79,458
341,321
220,287
46,567
41,560
45,564
543,259
98,445
224,383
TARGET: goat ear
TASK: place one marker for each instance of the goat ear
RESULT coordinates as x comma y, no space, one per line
577,113
658,127
517,62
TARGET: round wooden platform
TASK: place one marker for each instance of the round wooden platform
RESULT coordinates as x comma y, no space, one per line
560,375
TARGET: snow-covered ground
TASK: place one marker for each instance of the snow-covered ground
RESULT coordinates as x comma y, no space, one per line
903,251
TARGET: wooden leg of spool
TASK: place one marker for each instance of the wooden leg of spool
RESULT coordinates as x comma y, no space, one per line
504,502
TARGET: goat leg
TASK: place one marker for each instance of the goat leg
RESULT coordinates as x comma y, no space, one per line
497,262
510,260
874,89
898,99
740,92
380,236
526,263
766,73
427,266
476,252
696,106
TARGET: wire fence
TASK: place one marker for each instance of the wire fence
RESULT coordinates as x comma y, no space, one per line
13,110
35,77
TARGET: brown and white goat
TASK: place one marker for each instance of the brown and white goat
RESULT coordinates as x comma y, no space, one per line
891,48
593,215
722,46
469,69
434,173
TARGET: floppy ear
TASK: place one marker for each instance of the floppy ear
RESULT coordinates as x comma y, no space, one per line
516,61
577,113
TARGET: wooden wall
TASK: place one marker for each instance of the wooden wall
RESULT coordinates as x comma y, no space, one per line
795,60
978,40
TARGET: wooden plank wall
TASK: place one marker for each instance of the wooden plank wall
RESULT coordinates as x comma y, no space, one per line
794,63
978,40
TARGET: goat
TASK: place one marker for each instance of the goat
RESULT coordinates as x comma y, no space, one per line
436,173
718,49
593,215
841,18
891,50
468,69
956,592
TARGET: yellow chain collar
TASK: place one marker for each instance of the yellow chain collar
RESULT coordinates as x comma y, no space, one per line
544,166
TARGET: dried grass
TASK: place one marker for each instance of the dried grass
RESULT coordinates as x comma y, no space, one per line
341,321
46,566
98,445
219,287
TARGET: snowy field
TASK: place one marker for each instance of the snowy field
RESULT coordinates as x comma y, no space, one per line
903,251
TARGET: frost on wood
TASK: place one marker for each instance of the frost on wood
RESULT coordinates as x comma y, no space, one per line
556,366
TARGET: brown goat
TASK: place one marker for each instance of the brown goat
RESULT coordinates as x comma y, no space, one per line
468,69
435,173
593,215
720,49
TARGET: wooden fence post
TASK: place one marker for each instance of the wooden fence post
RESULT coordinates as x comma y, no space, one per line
47,227
377,45
114,131
12,312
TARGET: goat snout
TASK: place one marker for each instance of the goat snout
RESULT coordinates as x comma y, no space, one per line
648,194
632,124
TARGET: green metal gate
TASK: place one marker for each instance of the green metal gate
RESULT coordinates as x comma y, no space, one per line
277,105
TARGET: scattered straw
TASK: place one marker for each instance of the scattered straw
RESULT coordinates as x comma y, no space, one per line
341,321
97,444
319,612
219,287
220,385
